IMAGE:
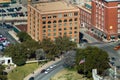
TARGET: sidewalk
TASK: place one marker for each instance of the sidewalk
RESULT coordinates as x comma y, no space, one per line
40,68
13,34
87,36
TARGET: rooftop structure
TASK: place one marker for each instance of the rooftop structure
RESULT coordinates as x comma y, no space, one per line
111,0
53,6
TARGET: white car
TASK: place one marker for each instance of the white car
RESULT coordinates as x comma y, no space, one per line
52,66
47,69
46,72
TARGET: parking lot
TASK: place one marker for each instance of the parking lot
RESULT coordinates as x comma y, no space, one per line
5,38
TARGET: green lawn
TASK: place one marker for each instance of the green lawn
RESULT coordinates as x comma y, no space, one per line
20,72
66,74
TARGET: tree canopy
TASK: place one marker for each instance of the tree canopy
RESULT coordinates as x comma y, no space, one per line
2,75
23,36
95,58
26,50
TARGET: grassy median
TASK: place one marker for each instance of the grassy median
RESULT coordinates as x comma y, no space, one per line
22,71
66,74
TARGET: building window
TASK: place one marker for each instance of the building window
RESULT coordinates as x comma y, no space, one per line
54,16
60,33
49,26
44,22
65,33
49,16
65,20
65,15
70,14
54,34
54,26
60,21
44,30
70,28
75,19
75,31
60,29
118,25
59,15
118,9
75,13
49,22
118,30
65,29
54,21
49,34
49,30
60,25
54,30
70,20
65,24
44,26
70,24
75,27
118,15
70,32
118,5
76,23
43,17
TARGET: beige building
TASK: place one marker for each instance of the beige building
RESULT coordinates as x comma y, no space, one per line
5,1
53,19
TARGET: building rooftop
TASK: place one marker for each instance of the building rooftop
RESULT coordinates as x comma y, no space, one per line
53,6
86,7
111,0
5,1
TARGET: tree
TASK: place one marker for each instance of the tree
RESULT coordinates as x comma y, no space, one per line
23,36
40,54
69,59
2,75
30,48
95,58
17,52
64,43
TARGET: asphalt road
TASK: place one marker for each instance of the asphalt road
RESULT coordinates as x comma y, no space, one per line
51,71
109,47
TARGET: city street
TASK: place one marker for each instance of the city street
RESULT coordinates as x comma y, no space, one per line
107,46
51,71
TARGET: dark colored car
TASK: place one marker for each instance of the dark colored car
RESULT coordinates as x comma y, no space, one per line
31,78
113,58
42,71
118,67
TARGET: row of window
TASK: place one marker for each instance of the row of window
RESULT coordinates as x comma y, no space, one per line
60,29
60,15
83,13
59,21
59,25
60,33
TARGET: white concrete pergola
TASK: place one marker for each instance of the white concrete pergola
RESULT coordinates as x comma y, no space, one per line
6,60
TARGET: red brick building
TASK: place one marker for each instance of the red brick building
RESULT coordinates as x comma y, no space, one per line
85,15
106,19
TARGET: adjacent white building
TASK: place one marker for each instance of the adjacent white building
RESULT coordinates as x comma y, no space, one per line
6,60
